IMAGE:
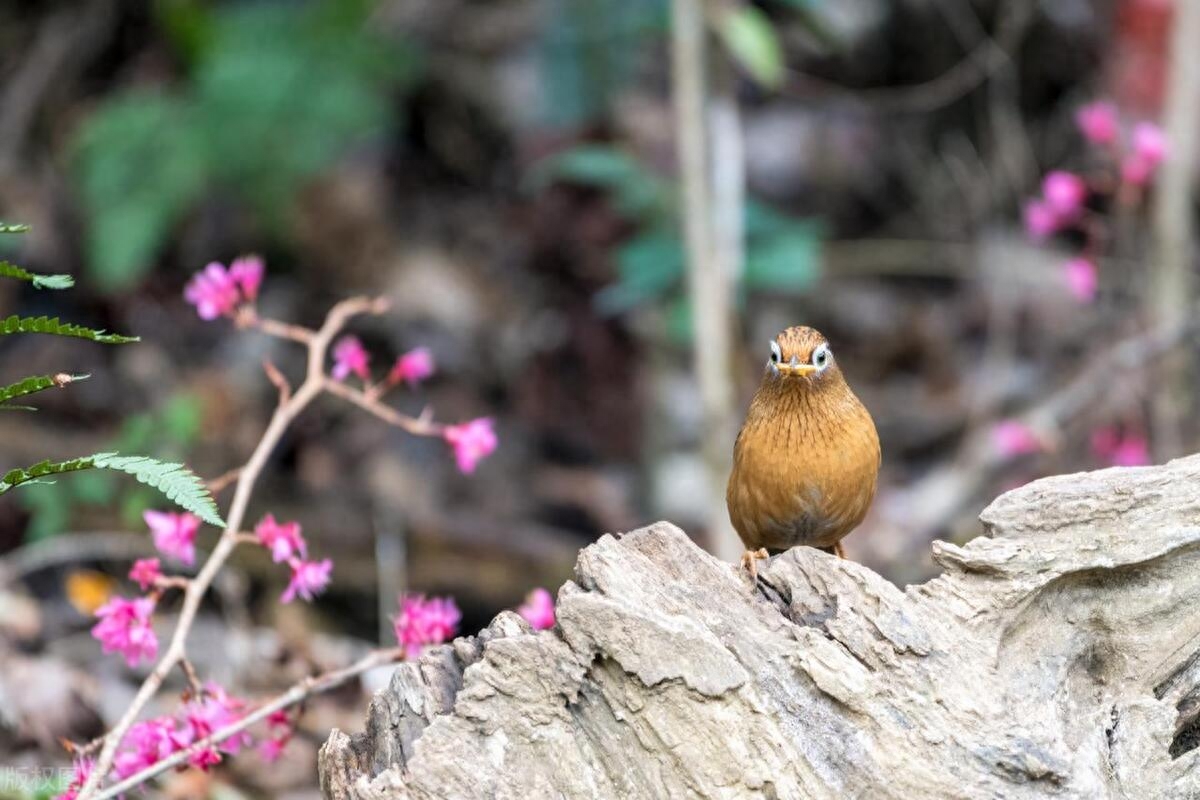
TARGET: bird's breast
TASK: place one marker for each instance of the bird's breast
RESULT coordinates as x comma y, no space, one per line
803,474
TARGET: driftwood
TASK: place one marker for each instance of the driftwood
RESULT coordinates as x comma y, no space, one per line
1057,657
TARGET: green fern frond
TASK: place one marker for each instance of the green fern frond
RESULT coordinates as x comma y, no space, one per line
9,227
34,474
51,325
39,280
37,383
177,482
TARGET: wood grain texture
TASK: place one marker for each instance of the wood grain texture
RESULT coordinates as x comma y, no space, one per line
1057,657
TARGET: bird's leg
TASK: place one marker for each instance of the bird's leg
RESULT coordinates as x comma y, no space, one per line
838,550
750,561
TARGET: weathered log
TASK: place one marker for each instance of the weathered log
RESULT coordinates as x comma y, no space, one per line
1059,656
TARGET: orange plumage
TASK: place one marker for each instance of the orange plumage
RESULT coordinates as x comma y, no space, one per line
807,458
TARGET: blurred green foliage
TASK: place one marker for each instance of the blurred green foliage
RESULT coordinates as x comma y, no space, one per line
170,431
750,38
590,50
272,94
783,254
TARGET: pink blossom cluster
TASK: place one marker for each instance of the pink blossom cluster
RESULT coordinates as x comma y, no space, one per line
124,627
472,442
83,770
422,622
1062,204
152,740
350,357
146,572
1120,448
1012,438
281,729
217,292
174,534
286,543
538,609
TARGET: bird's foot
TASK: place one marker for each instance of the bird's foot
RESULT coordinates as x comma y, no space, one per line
750,561
838,550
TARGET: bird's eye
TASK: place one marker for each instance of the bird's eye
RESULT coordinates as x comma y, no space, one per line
821,357
776,355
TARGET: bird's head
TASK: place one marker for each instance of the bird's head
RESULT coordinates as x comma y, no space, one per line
801,354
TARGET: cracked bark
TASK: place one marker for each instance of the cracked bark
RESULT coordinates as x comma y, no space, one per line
1057,656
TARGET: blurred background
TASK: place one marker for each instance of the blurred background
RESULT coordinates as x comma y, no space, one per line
507,172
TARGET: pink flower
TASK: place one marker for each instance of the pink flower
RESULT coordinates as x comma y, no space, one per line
280,725
145,572
538,609
1121,450
349,357
271,749
309,578
1098,122
125,626
1149,150
412,367
1064,193
424,622
216,292
147,743
1081,278
174,533
1149,143
247,271
1040,220
206,715
83,770
1012,438
472,442
283,540
213,291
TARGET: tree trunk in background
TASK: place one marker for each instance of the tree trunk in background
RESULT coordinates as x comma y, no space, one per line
1058,657
711,170
1173,284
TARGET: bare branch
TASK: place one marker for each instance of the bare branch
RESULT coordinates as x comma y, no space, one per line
314,382
298,693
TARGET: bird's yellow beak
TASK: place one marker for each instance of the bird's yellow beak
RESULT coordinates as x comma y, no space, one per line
795,370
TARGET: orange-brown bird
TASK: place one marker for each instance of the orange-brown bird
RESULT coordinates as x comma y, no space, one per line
806,460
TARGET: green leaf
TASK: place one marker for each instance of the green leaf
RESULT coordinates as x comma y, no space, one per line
636,192
36,383
788,261
751,39
648,265
177,482
34,474
38,280
9,227
140,167
51,325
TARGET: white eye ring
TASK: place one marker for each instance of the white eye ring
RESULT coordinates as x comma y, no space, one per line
776,353
822,357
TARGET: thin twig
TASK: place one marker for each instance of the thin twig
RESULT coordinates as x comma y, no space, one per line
285,413
247,317
193,678
418,426
298,693
221,482
279,381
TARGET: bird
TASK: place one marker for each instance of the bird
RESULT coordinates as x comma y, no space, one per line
806,461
